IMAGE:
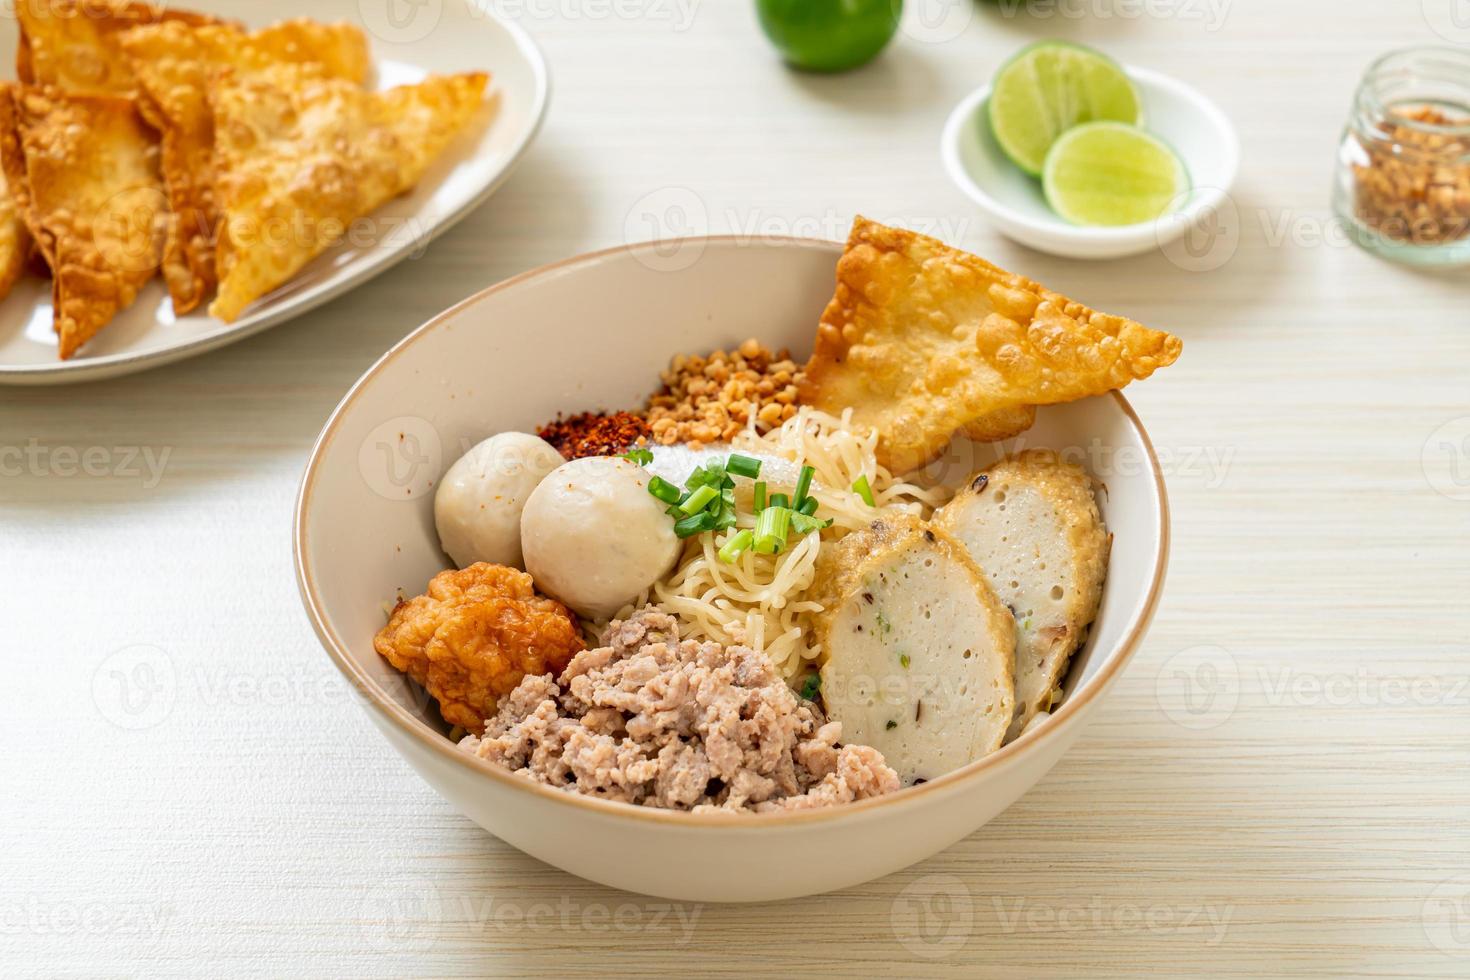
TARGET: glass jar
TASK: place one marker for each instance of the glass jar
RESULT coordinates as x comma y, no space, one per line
1402,187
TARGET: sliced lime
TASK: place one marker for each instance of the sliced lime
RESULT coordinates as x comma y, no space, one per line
1048,88
1107,173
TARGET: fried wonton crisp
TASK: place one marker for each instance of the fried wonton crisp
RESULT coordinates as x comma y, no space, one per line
175,65
922,340
300,157
84,173
15,241
74,44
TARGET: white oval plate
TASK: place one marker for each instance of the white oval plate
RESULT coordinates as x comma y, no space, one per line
408,41
1179,115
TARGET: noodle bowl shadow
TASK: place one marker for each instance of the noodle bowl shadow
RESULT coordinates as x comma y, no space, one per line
592,333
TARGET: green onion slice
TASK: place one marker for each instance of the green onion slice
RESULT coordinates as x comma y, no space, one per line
771,529
699,500
760,496
804,524
808,506
780,500
694,524
861,488
664,490
743,466
732,549
803,484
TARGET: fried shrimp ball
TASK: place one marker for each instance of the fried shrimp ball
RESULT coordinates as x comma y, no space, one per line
474,635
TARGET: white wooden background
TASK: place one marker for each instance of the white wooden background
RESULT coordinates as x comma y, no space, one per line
1280,785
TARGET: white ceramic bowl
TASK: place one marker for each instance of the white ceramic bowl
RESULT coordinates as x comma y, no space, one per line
1182,117
593,332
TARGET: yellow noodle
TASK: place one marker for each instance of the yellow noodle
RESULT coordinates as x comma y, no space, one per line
760,600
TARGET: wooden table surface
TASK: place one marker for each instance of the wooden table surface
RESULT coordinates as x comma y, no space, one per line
1280,784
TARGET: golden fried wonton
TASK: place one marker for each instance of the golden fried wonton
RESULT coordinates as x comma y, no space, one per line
15,241
923,340
301,157
175,64
73,44
84,173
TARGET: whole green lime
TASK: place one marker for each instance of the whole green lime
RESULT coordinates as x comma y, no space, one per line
829,35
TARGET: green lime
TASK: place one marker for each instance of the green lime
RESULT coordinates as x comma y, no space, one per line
1107,173
1048,88
829,35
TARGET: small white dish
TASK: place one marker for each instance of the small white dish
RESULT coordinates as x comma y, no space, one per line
433,39
1179,115
592,333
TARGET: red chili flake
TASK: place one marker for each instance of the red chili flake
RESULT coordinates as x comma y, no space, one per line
595,433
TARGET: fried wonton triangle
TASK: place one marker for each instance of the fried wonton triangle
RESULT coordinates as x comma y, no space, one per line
301,158
922,340
74,44
175,65
15,241
84,173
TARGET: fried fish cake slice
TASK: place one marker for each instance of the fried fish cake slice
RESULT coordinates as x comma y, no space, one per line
84,173
300,157
920,654
175,63
1031,523
75,44
921,339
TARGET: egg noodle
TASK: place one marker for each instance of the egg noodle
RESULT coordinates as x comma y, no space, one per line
760,600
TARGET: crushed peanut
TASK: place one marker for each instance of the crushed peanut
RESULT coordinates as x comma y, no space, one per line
711,399
1415,186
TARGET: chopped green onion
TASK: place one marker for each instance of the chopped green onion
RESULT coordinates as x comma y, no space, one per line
803,484
708,475
664,490
731,550
760,496
903,659
694,524
780,500
803,524
771,529
639,455
743,466
808,506
861,488
699,499
811,687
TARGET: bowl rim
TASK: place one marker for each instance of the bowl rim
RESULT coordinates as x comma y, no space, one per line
1204,199
1067,715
